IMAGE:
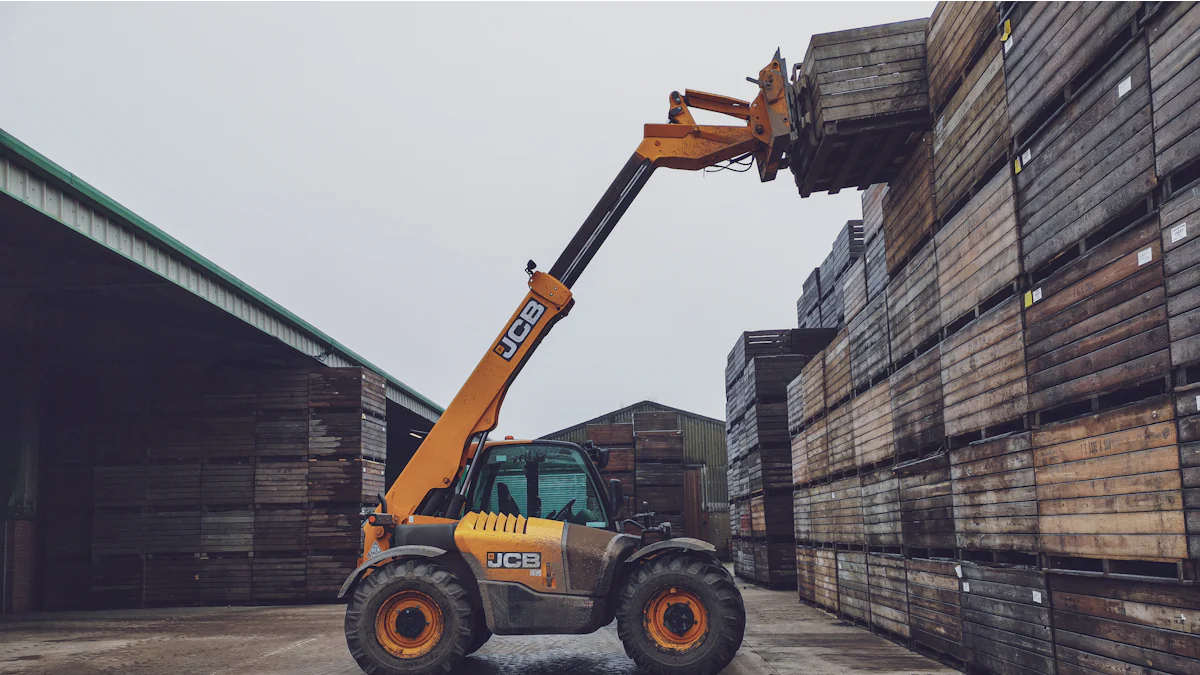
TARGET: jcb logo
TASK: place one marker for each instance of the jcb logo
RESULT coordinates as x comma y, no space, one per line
515,561
520,329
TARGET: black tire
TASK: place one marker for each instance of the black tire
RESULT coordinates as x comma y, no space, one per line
482,632
428,578
703,577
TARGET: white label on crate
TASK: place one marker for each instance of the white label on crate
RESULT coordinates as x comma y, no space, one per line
958,570
833,495
1026,157
1125,85
1008,44
1037,597
1144,256
1178,232
966,587
1037,295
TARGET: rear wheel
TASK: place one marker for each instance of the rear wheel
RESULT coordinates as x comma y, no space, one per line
681,613
409,618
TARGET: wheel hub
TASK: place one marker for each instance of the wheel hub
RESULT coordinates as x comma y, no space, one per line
411,622
679,618
675,620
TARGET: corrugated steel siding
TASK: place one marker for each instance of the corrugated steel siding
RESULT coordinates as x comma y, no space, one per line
703,444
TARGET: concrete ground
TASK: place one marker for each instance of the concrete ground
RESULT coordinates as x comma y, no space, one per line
783,637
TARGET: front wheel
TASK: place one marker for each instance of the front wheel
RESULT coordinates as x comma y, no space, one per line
681,613
409,618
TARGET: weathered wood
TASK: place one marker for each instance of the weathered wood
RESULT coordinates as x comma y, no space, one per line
887,586
873,437
814,386
802,514
806,579
872,211
808,305
977,250
854,290
841,438
818,449
870,354
881,508
912,301
1108,485
839,381
853,593
917,403
837,515
983,371
995,495
908,215
1099,323
934,605
927,503
1187,409
825,578
956,31
1091,163
1181,263
1006,619
1174,35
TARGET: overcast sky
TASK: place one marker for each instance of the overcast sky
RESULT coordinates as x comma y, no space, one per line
384,171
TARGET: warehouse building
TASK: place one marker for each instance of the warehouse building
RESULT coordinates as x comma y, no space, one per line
169,435
671,459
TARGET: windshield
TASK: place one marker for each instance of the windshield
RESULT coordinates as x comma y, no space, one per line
537,481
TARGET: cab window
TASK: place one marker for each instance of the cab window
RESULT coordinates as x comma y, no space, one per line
537,481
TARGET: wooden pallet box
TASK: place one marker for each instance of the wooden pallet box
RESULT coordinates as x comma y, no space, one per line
775,564
173,484
658,446
754,471
281,433
1006,620
817,442
876,266
1099,324
607,435
227,531
334,529
171,581
917,403
872,211
825,578
808,305
280,530
814,387
806,580
983,372
801,473
837,515
744,561
995,494
119,486
972,135
841,438
934,605
957,32
226,580
908,213
795,403
802,526
117,581
912,299
1181,266
854,598
839,382
881,508
927,503
1091,163
325,574
1174,34
1124,626
118,532
1187,412
873,437
887,588
278,483
846,249
861,92
978,254
278,579
1051,44
833,306
870,355
1108,485
227,483
854,290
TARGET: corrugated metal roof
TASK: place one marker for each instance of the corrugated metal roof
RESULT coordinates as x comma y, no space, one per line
37,182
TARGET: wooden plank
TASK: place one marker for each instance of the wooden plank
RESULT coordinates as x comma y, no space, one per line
917,403
956,31
817,444
814,386
927,504
934,605
870,355
854,290
1174,35
802,514
806,573
874,440
853,592
887,585
1006,619
908,215
825,578
841,438
839,381
995,495
911,296
1181,265
983,371
837,514
881,508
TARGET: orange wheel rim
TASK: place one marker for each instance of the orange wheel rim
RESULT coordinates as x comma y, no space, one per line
676,620
409,624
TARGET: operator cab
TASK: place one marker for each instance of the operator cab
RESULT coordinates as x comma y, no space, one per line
542,479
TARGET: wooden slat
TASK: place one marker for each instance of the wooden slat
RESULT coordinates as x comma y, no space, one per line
927,503
995,495
887,583
841,438
802,514
934,606
873,436
983,371
825,578
917,403
1187,409
839,381
956,31
853,595
870,355
806,579
908,215
814,386
1006,620
911,297
818,449
1181,265
1174,34
881,508
837,515
854,290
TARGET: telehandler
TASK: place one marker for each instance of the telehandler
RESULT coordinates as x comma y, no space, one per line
477,538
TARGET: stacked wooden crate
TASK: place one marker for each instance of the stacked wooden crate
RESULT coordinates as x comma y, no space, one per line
837,273
618,439
658,465
861,95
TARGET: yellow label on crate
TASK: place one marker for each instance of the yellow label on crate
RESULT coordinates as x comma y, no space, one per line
1029,298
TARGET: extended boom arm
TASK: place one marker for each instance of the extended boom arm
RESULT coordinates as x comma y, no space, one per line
423,488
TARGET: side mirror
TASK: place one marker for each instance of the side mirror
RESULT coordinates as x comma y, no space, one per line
616,493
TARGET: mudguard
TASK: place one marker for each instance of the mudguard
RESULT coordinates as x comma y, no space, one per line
680,544
410,551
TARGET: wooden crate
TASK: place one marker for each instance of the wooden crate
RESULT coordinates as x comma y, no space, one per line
658,420
280,529
801,473
817,442
1174,34
1006,620
744,564
325,574
227,531
1051,45
927,503
278,483
870,356
117,581
825,578
231,434
806,580
119,486
876,262
854,290
173,484
995,496
872,211
841,438
908,214
335,434
802,526
971,137
881,508
846,249
658,446
911,298
609,435
978,253
934,606
1187,410
1091,163
862,92
957,32
227,482
775,564
1124,626
118,532
754,470
1108,485
279,579
1099,324
839,383
795,403
837,512
1181,266
171,581
983,372
808,305
832,305
226,580
184,526
873,438
917,403
281,433
814,387
334,529
887,587
340,481
854,598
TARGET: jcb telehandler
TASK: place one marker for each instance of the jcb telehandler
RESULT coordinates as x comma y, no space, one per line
521,537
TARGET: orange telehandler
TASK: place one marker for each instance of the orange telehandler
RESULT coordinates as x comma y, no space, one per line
521,537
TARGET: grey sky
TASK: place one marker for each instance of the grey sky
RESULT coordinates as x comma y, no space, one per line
385,171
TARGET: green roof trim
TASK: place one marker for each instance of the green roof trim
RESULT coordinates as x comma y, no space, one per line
80,186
